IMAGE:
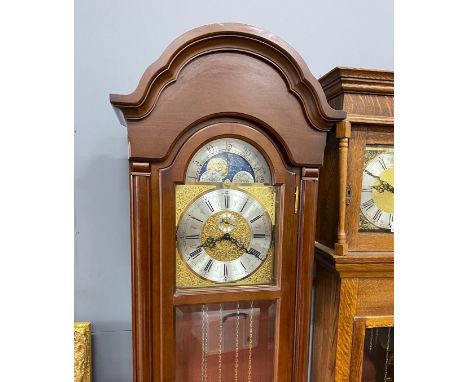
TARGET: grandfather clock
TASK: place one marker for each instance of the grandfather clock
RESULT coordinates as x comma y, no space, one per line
353,325
226,132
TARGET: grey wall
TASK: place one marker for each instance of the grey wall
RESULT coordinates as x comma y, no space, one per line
114,43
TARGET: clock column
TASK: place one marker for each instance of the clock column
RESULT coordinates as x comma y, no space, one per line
142,294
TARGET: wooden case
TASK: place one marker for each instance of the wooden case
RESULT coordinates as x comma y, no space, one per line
353,270
224,80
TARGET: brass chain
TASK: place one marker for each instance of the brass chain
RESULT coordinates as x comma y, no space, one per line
250,342
220,344
236,366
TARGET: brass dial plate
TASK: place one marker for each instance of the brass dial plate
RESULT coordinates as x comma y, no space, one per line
213,250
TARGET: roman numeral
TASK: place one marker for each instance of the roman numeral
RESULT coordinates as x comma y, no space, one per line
209,205
382,163
259,235
227,200
254,252
195,253
208,266
243,266
368,205
192,237
256,218
377,215
193,217
242,209
369,189
225,272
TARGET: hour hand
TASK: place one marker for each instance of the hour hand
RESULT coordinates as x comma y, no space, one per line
384,186
209,243
388,187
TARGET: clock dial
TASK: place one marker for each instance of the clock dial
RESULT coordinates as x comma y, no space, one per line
224,235
377,190
228,160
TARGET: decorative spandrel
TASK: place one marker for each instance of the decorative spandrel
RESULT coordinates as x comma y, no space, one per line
225,235
378,361
225,342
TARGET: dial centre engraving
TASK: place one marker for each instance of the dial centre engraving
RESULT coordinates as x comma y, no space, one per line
226,235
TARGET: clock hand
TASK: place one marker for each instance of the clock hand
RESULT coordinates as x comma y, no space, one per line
383,186
237,243
209,243
226,221
374,176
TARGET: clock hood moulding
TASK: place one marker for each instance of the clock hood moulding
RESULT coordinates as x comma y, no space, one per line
232,71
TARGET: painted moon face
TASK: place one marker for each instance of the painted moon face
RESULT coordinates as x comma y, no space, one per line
243,177
211,176
218,165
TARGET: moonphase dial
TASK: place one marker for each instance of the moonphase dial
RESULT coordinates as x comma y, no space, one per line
228,160
224,235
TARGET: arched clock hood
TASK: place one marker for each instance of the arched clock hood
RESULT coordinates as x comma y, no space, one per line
227,71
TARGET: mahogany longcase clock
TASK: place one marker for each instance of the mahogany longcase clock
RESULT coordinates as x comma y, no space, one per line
226,132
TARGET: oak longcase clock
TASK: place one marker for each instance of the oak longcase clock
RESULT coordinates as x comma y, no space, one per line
226,134
354,242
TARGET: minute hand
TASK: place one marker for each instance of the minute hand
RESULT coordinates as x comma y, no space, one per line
237,243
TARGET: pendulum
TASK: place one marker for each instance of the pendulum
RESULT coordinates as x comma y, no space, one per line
204,365
236,365
371,339
220,344
376,337
250,342
386,354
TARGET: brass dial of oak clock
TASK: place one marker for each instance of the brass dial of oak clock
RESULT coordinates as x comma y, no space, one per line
377,190
224,235
228,160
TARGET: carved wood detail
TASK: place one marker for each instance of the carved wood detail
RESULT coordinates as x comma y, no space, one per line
238,38
239,72
343,133
360,91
